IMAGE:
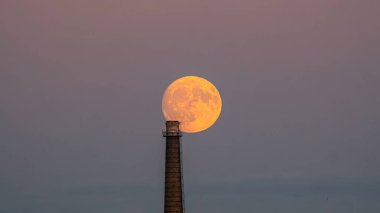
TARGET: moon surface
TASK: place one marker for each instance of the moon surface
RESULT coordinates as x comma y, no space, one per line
194,102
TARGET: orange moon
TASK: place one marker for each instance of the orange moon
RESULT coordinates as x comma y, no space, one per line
194,102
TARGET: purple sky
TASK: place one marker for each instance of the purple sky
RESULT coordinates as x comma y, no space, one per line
81,84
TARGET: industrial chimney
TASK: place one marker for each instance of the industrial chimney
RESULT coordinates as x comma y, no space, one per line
174,200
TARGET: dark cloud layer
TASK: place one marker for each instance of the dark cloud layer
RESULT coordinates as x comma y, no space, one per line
271,195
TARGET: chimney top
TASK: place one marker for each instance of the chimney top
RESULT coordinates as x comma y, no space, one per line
172,129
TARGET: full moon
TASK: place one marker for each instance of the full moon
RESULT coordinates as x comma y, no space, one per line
194,102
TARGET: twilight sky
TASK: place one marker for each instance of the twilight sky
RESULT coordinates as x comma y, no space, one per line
81,84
